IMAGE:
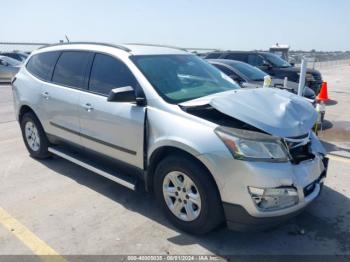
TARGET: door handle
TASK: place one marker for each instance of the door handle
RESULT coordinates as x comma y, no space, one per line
88,107
45,95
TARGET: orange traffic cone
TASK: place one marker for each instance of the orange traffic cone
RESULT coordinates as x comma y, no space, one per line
323,95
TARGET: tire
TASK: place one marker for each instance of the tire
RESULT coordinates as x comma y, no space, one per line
34,138
208,214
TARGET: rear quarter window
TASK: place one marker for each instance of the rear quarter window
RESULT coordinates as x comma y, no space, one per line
42,65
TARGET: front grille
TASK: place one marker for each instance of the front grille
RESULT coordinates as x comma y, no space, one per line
299,148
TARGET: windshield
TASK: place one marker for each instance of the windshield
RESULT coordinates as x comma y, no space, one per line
179,78
276,61
251,72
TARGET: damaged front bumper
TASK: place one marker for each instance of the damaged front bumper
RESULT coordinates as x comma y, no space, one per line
234,177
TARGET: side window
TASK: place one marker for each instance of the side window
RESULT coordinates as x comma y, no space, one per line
41,65
10,55
255,60
224,69
108,73
237,56
71,68
212,55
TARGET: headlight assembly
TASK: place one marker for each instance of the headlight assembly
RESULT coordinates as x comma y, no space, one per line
253,146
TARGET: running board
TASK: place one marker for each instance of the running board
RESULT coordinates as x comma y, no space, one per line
75,158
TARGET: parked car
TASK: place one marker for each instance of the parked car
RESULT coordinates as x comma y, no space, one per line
272,65
20,56
8,68
248,76
209,150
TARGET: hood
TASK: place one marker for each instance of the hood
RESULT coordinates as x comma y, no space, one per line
277,112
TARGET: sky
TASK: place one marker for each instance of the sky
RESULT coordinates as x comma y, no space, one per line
226,24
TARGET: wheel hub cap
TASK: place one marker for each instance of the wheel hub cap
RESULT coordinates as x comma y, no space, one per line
181,196
32,136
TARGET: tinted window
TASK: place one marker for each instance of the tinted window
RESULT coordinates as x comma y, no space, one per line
255,60
41,65
212,55
237,56
10,61
251,72
14,56
71,68
276,61
224,69
108,73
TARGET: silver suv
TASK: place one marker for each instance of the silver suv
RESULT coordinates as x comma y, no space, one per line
210,151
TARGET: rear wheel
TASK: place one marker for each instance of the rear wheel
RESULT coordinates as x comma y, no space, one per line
188,195
34,136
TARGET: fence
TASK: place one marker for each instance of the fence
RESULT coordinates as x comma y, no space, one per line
327,64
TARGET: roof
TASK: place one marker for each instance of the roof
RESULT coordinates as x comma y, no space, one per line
133,49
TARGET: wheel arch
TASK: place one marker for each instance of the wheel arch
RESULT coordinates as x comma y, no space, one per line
25,109
164,151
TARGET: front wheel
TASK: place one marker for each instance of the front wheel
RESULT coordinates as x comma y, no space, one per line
188,195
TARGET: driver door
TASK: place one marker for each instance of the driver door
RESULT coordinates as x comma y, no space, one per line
115,129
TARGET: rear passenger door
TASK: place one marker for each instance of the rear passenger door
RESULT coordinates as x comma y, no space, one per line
60,98
114,129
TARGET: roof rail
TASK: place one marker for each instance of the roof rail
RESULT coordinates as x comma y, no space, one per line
89,43
157,45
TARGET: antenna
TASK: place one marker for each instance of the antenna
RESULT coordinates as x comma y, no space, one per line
67,38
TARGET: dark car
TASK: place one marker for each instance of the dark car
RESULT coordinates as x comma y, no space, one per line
248,76
20,56
272,65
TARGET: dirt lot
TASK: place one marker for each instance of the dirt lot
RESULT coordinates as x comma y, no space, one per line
59,206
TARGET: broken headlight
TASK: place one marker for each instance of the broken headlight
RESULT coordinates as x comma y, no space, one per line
268,199
254,146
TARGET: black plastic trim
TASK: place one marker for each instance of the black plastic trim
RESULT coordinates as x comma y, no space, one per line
238,219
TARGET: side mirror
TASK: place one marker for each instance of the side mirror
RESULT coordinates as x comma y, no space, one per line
292,63
125,94
122,94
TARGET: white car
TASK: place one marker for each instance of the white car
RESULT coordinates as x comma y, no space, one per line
209,150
